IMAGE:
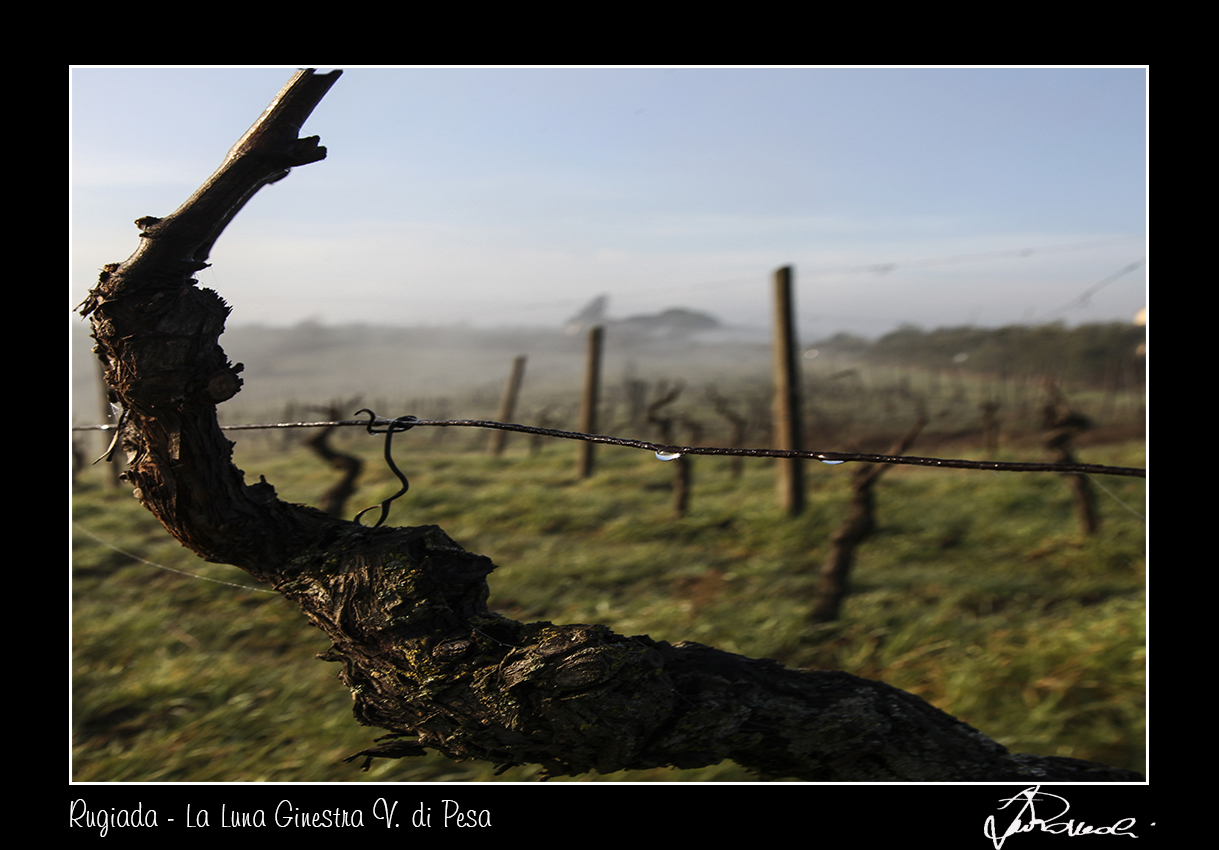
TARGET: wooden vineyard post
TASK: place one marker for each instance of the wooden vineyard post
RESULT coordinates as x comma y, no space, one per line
788,428
588,401
506,407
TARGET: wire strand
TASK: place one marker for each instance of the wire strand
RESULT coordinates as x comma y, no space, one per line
135,557
832,457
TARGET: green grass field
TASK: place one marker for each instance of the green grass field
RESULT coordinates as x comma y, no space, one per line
978,593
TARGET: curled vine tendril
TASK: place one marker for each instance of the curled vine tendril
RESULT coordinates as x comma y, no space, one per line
393,426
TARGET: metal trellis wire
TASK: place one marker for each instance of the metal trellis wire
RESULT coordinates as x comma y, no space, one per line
671,451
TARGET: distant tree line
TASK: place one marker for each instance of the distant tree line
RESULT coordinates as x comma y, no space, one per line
1096,354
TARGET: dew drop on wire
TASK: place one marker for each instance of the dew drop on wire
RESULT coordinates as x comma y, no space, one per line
668,455
833,462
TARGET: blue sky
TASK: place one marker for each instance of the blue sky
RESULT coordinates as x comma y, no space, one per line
513,196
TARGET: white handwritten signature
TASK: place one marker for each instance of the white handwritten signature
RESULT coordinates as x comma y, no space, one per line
1048,824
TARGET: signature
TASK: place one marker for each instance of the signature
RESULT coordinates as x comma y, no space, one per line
1053,807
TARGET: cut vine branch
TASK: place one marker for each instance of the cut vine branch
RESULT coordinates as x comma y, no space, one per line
405,608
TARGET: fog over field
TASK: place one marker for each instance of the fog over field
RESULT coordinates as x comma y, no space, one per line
315,363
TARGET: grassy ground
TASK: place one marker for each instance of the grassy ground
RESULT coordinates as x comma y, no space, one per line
978,593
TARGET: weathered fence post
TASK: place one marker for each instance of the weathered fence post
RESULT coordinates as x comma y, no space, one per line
588,401
788,427
990,426
499,438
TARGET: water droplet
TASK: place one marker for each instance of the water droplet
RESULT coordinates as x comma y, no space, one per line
832,462
668,455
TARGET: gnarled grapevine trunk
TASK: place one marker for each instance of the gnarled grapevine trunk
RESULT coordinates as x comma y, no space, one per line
405,608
